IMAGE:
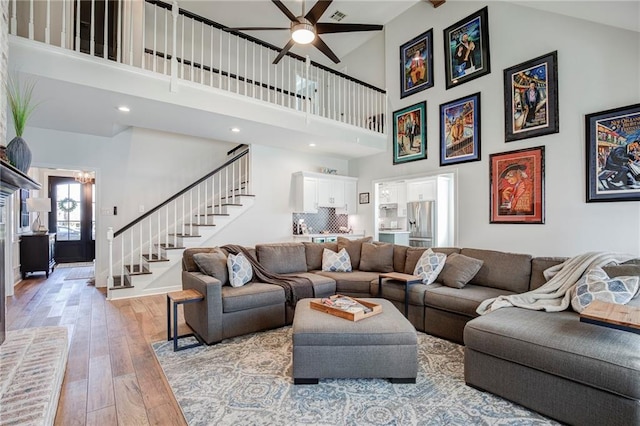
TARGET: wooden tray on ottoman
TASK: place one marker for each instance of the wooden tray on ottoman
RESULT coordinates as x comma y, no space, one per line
351,316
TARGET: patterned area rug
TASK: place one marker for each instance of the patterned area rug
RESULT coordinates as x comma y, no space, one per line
247,380
32,365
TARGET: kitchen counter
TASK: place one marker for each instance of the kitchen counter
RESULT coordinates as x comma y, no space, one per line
392,231
334,237
394,237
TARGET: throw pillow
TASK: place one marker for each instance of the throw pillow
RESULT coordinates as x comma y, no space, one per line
213,264
240,270
429,266
336,262
376,257
597,285
354,248
459,270
313,253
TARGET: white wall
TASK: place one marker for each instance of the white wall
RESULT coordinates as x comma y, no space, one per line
367,62
598,70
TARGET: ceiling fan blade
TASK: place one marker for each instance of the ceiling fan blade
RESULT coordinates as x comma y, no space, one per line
317,10
322,46
255,28
284,51
285,10
327,28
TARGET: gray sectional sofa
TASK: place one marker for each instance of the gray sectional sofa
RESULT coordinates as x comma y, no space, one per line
575,372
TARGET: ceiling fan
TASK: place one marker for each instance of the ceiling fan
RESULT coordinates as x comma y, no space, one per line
306,29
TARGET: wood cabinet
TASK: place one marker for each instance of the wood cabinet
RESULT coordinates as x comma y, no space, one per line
314,190
37,253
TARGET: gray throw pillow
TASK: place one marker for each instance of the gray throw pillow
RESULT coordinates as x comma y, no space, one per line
354,247
213,264
376,257
459,270
313,254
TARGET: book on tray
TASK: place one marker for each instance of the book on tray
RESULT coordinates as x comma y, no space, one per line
345,303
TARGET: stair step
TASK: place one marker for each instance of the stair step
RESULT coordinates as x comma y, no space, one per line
213,214
170,246
238,195
202,224
154,258
118,283
225,205
137,270
185,235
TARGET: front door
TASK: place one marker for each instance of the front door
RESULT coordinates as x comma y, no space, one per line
72,218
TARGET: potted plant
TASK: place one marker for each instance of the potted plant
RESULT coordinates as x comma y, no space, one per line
20,102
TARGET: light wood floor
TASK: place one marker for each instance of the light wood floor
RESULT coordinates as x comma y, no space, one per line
112,376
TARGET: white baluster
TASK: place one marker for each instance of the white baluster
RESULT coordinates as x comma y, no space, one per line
159,232
211,60
144,36
63,32
165,37
237,64
174,46
131,33
105,33
190,212
122,260
182,46
193,26
150,252
229,61
119,34
253,73
131,261
47,32
199,204
139,227
220,67
31,28
246,75
77,47
14,19
261,80
110,240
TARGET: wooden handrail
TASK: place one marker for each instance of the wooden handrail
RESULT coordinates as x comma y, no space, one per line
262,43
173,197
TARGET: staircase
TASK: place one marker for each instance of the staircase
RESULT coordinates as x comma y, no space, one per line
145,256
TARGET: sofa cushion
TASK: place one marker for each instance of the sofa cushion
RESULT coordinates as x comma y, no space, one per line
461,301
353,247
429,266
336,262
596,285
188,264
459,270
538,266
313,254
240,270
356,282
250,296
624,269
560,345
376,257
399,257
282,258
213,264
322,286
414,253
508,271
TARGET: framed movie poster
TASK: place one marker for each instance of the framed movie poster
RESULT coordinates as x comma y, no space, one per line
460,130
466,49
531,98
517,186
409,133
613,154
416,64
364,198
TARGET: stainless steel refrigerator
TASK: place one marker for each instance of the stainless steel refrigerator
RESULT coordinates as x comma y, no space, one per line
421,222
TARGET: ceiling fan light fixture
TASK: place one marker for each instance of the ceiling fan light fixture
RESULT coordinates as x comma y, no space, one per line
303,32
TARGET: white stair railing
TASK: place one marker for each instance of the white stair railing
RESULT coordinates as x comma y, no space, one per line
148,238
163,38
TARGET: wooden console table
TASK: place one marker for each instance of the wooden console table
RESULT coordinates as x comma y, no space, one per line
621,317
407,279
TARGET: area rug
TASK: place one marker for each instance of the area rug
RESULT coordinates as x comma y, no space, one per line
73,265
32,366
80,273
247,380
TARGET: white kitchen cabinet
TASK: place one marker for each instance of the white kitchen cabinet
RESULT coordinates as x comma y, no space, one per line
421,191
401,199
314,190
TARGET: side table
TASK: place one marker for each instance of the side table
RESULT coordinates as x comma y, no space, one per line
180,298
407,279
621,317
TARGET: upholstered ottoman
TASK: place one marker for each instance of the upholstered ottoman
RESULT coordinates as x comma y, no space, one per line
326,346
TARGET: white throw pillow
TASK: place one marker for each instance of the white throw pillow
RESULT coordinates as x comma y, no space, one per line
240,270
336,262
429,266
597,285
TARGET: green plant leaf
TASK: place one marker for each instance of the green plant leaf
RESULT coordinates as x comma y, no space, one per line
20,101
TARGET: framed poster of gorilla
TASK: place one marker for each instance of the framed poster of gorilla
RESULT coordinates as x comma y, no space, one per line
613,154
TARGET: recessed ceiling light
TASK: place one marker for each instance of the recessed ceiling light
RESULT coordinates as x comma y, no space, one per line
235,129
124,108
312,145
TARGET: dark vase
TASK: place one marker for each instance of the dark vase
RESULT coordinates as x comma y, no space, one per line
19,154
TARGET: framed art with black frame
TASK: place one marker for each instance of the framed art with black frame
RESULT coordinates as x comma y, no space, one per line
613,154
460,130
364,198
416,64
409,133
466,49
531,98
517,186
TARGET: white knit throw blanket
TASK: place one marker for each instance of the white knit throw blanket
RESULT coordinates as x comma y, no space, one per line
555,295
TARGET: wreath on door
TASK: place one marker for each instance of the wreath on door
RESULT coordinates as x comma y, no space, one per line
67,205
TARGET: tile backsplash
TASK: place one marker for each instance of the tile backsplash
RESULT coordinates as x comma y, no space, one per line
325,220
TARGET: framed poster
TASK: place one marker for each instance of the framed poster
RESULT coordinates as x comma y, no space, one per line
460,130
466,49
364,198
416,64
517,186
409,133
531,98
613,154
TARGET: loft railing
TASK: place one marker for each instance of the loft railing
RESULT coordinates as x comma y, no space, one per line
146,239
164,38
